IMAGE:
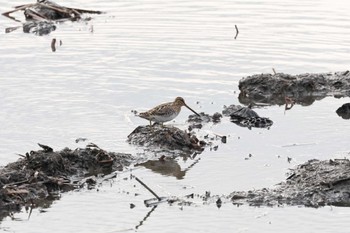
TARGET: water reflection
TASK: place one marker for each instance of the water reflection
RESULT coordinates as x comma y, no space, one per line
168,166
279,100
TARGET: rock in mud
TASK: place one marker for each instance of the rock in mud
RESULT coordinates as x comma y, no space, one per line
246,117
314,183
196,122
344,111
303,88
165,137
37,176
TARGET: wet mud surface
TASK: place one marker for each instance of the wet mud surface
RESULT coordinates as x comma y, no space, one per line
314,183
304,89
167,138
40,175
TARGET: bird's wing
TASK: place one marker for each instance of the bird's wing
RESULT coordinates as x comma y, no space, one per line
160,110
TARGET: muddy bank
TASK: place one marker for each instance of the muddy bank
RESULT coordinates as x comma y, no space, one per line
166,139
304,89
314,183
40,175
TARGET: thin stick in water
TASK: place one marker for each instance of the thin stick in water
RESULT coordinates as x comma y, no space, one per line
53,45
236,31
149,189
274,71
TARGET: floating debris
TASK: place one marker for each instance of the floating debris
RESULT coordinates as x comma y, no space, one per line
41,17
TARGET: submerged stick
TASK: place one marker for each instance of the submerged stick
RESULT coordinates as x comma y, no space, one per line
53,45
236,31
11,29
149,189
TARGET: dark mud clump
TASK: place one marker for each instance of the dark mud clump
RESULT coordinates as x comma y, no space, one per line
196,122
39,28
246,117
303,88
165,137
40,174
314,183
344,111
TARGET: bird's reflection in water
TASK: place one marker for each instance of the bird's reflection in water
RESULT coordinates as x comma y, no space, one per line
166,167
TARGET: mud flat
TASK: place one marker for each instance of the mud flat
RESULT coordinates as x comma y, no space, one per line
166,138
40,175
303,88
314,183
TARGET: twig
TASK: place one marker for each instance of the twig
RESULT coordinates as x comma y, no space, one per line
223,137
236,31
53,45
82,11
31,208
15,183
24,6
144,185
64,10
17,8
274,71
289,103
35,15
11,29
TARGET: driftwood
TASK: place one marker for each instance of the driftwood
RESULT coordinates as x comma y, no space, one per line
44,14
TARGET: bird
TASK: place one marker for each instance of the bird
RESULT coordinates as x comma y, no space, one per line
165,112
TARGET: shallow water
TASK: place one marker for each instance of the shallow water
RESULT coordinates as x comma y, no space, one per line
142,53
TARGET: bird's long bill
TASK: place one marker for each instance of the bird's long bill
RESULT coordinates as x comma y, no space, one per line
192,110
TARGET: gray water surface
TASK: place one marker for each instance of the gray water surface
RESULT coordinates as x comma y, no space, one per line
143,53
